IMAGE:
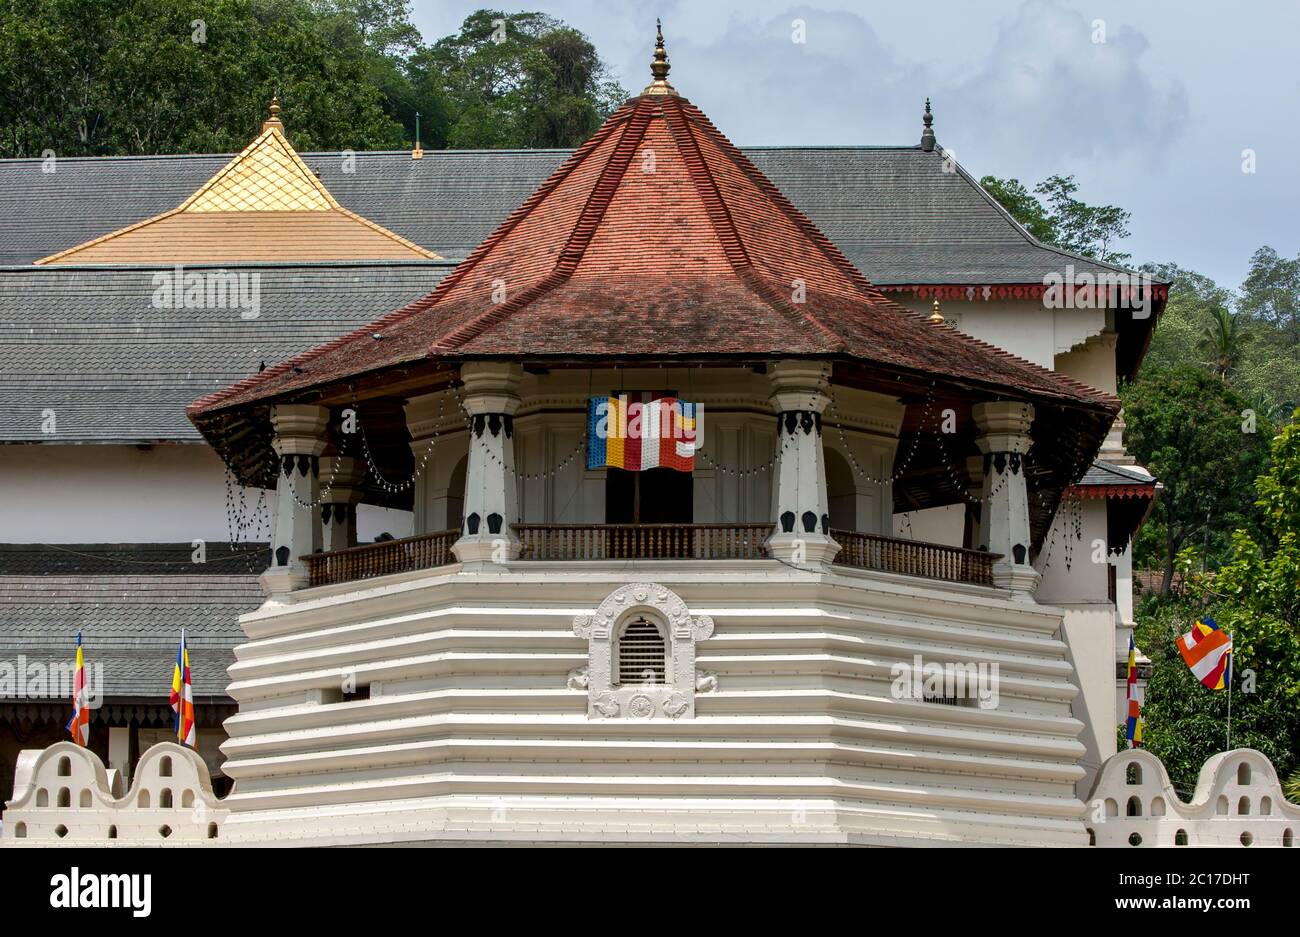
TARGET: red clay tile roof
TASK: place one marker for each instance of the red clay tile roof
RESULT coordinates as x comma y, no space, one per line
657,237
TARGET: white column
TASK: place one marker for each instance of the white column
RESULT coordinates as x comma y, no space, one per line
799,505
491,397
1004,518
295,530
338,510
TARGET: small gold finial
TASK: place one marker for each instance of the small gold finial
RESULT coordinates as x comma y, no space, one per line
274,119
659,66
936,317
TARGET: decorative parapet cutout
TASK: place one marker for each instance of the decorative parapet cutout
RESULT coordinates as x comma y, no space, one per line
1238,802
64,792
641,655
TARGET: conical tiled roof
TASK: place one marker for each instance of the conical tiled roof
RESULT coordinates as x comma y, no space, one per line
658,238
266,204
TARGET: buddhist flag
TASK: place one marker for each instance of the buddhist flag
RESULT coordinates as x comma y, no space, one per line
1207,650
641,430
1133,725
79,724
182,698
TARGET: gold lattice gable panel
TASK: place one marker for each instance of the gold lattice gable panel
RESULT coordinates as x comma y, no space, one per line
267,176
265,205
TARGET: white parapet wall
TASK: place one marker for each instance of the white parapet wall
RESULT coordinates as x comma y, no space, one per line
63,795
1238,802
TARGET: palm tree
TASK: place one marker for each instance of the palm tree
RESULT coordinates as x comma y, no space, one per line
1223,341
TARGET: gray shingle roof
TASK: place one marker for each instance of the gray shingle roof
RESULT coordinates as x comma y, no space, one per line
88,343
1108,473
901,215
130,626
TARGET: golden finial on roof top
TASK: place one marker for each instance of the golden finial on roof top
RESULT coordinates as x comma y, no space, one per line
274,119
936,317
659,66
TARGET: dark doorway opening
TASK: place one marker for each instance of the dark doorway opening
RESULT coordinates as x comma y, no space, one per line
654,496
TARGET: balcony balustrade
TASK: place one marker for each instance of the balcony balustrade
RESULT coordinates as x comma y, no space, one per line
586,542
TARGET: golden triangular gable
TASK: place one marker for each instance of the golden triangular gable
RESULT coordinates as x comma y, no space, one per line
265,205
268,176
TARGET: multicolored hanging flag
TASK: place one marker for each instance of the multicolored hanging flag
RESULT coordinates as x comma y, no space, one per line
79,724
1207,649
639,430
1133,725
182,697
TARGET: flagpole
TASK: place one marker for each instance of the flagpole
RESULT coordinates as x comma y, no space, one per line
1230,680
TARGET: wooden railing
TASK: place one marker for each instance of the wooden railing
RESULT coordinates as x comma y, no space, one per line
654,542
642,541
424,551
914,558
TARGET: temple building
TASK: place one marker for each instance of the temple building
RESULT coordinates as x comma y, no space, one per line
637,498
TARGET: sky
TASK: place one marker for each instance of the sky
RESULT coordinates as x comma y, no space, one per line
1150,104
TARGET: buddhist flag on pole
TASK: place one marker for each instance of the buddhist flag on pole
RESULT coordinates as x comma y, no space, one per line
79,724
182,698
641,430
1133,725
1207,650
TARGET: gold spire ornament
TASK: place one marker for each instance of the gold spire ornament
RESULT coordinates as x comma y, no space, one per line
274,119
659,66
936,317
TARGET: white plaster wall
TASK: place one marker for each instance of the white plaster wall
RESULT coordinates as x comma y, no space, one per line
1022,327
123,494
944,525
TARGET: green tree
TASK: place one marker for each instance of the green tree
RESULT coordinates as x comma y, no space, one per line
100,77
1052,214
1256,597
1223,342
1022,205
1191,431
519,80
1271,292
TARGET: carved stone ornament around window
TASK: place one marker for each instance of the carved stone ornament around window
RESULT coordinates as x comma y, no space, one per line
674,697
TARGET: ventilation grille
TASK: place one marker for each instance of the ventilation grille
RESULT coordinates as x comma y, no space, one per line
641,655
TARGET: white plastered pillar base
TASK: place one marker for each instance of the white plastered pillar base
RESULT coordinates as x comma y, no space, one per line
1004,440
295,531
491,397
799,501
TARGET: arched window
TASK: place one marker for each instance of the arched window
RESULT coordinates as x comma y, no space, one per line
642,655
1266,806
65,797
1112,808
1158,807
212,831
187,799
1180,838
1243,773
65,767
1243,807
144,799
165,798
1287,838
85,797
43,797
1133,774
1221,806
112,832
164,767
20,830
1134,807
